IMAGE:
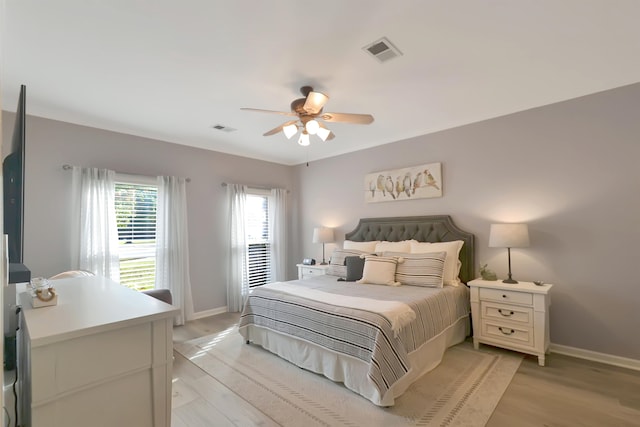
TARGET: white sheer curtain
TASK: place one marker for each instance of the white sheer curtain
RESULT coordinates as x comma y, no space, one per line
277,232
172,244
94,233
237,273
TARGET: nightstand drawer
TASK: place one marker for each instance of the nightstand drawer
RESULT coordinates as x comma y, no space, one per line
512,313
306,272
506,296
515,334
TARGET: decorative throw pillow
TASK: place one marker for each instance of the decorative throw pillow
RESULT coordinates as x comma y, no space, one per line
336,262
420,269
355,267
403,246
337,270
380,270
369,247
451,265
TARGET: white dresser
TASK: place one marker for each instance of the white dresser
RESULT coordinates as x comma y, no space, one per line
101,357
305,271
512,316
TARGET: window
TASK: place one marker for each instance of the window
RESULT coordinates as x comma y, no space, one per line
135,202
257,237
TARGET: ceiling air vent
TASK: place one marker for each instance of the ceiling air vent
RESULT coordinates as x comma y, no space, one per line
223,128
383,50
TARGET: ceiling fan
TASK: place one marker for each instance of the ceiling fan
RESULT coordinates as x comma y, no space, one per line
308,111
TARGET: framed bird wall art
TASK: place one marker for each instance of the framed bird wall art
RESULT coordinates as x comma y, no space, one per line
417,182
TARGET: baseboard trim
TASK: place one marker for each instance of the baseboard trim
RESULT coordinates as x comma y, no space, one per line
207,313
594,356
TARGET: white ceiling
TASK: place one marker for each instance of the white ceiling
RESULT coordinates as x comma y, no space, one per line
170,70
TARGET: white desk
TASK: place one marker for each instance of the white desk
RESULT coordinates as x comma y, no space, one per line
101,357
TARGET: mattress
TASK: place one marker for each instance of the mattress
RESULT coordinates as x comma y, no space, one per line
358,347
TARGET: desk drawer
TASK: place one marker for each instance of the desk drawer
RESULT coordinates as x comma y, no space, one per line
89,360
512,313
506,296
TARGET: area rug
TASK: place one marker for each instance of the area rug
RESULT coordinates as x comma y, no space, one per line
462,391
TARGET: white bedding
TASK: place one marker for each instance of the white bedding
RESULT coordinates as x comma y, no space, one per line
424,339
398,313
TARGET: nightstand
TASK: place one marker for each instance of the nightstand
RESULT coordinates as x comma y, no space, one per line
305,271
512,316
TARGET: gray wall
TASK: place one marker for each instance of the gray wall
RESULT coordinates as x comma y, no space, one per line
570,170
50,144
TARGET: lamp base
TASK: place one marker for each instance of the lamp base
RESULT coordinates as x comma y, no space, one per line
509,281
324,263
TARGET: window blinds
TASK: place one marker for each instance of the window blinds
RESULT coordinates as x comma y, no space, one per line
136,220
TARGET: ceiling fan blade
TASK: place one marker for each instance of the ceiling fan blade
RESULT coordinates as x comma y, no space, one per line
257,110
314,103
360,119
279,128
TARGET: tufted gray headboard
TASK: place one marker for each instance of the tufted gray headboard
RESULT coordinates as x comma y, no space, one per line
435,228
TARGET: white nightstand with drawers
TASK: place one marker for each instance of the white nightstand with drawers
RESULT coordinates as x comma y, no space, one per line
305,271
512,316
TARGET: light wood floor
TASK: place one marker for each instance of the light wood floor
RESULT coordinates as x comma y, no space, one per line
567,392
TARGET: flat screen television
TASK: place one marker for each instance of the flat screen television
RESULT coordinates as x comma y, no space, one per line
13,172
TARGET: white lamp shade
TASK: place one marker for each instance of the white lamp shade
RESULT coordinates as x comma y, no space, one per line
323,133
290,130
304,139
509,236
312,127
322,235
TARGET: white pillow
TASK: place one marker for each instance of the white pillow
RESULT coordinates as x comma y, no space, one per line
404,246
451,265
380,270
369,247
420,269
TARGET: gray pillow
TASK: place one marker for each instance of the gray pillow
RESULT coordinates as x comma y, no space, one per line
355,266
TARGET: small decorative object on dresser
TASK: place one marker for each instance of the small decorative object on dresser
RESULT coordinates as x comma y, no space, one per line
305,271
512,316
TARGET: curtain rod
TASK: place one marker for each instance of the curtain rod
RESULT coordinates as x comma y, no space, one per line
224,184
69,167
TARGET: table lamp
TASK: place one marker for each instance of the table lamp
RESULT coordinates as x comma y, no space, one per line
509,236
323,235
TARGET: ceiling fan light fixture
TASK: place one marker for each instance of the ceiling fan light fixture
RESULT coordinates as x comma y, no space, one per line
290,130
306,110
304,139
312,126
323,133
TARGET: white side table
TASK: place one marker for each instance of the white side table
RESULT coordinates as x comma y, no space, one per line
305,271
512,316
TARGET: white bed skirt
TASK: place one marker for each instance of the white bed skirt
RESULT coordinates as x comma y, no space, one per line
350,370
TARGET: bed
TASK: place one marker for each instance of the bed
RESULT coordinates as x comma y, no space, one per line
376,340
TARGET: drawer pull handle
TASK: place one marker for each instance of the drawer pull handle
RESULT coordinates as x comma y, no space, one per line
508,314
507,331
504,296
